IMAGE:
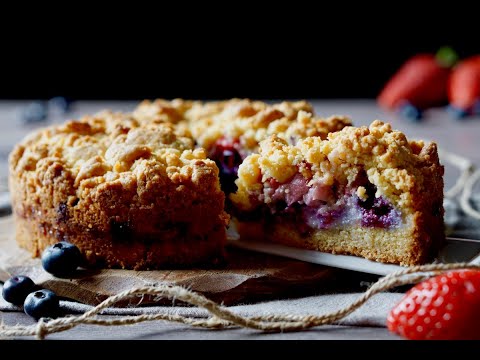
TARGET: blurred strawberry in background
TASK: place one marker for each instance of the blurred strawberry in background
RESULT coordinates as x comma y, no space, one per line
420,83
464,87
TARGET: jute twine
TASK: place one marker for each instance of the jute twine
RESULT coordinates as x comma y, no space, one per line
222,318
465,183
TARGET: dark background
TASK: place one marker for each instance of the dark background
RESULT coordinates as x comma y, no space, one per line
278,51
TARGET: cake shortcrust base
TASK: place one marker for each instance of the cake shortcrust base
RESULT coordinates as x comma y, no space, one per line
138,253
403,246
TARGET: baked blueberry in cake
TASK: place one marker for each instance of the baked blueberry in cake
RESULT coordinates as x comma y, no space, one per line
129,193
364,191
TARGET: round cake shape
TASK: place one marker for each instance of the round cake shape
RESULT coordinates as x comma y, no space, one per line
129,194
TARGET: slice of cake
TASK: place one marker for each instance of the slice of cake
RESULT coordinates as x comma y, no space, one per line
363,191
129,193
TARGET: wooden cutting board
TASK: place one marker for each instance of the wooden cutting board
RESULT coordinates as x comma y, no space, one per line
247,277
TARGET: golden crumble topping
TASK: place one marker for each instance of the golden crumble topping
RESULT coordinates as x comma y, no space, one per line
391,163
109,146
244,120
162,111
251,121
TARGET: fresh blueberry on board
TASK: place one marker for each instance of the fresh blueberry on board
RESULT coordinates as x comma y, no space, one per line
59,104
16,289
34,112
410,112
476,108
61,259
456,112
42,303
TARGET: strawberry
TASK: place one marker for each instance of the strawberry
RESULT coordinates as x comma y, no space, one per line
464,85
421,81
444,307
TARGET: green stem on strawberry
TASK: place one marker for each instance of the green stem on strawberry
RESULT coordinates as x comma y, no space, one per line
446,57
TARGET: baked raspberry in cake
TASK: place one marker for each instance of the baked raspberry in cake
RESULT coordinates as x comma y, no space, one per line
129,192
231,130
364,191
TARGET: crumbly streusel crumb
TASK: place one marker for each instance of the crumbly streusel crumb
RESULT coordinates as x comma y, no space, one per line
244,120
249,121
108,144
162,111
390,161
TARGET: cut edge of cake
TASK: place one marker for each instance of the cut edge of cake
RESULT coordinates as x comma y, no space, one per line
364,191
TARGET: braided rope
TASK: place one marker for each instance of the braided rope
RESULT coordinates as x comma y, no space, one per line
465,183
464,165
467,195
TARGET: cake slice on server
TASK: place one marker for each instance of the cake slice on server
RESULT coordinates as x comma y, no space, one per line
364,191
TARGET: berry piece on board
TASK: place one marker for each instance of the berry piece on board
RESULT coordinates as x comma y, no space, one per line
34,112
16,289
42,303
61,259
445,307
410,112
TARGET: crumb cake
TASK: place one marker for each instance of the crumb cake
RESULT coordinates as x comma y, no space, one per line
129,192
146,189
364,191
231,130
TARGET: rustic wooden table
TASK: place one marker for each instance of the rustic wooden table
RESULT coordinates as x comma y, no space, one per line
461,137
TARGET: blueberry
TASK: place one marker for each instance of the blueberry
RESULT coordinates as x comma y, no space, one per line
59,104
121,231
457,112
227,175
34,112
61,259
410,111
227,157
42,303
16,289
476,108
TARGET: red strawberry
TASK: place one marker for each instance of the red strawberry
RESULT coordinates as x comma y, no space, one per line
444,307
464,84
421,81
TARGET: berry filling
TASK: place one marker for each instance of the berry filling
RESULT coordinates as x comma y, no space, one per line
377,212
227,155
326,207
